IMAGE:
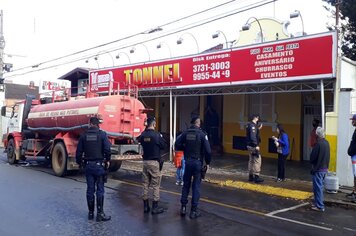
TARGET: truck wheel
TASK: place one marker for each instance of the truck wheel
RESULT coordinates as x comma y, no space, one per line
114,166
59,159
11,155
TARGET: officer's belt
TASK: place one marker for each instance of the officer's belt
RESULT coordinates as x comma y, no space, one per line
98,162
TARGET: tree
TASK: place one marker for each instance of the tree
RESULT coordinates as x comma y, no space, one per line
347,29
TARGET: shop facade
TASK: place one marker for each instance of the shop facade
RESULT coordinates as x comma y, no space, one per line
290,81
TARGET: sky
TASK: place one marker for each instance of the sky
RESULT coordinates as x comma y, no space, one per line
40,30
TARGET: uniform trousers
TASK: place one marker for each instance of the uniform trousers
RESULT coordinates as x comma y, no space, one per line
94,173
192,171
151,177
254,161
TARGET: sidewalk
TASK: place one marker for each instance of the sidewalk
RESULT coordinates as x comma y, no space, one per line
231,171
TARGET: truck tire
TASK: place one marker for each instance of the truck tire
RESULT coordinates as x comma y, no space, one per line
114,166
59,159
11,152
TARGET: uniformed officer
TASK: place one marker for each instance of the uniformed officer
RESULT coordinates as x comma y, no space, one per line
95,145
152,142
253,140
194,142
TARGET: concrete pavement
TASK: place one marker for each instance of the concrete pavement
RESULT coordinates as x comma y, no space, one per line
231,172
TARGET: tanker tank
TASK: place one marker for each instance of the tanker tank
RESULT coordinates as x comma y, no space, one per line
122,116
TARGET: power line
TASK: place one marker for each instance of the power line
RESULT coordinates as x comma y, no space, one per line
212,19
261,3
198,13
122,39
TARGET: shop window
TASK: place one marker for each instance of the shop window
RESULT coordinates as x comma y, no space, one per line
239,142
262,104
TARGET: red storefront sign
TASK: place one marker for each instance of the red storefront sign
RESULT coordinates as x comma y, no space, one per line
303,58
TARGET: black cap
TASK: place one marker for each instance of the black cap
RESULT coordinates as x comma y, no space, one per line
253,116
94,120
150,120
194,118
316,122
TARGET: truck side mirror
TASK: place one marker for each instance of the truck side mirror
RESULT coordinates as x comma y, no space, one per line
3,111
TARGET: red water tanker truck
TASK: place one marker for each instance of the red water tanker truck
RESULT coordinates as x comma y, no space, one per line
52,130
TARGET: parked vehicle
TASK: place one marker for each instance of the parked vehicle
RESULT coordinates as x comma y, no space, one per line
51,128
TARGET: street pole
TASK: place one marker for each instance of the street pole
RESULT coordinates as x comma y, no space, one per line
170,126
322,103
2,87
2,46
337,14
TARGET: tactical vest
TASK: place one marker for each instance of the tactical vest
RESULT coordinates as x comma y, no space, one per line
93,145
193,144
150,150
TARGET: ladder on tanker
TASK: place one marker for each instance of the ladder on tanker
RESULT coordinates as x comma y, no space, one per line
128,109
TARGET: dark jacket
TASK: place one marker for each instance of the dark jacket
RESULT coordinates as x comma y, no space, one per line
152,143
352,148
252,135
320,156
205,150
90,148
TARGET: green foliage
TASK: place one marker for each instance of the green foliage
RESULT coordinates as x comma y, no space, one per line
348,25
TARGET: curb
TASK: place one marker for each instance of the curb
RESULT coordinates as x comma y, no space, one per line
266,189
222,179
261,188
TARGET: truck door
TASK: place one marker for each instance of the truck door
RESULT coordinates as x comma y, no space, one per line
15,121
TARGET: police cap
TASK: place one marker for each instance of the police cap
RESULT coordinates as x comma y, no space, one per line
94,120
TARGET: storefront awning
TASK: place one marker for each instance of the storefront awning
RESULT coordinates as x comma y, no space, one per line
306,86
282,65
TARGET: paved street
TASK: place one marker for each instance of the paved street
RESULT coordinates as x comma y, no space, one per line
34,201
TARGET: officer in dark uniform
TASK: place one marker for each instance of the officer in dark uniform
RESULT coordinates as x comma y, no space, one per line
95,145
152,142
194,142
253,140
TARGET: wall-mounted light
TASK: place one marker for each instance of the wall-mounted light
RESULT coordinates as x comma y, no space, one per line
296,14
133,49
247,26
216,35
124,53
180,39
163,43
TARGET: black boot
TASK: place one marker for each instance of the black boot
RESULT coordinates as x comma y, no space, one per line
100,215
258,179
156,209
183,210
251,178
146,206
194,213
91,209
